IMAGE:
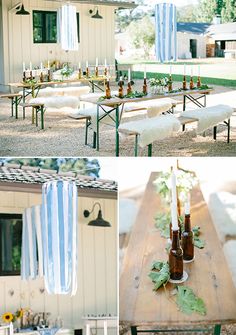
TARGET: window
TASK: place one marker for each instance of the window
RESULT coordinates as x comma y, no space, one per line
10,244
44,27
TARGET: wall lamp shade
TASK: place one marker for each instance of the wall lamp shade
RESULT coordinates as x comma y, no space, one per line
99,221
96,15
22,11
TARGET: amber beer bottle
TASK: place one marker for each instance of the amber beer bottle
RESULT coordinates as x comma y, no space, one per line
187,240
176,257
191,84
129,88
108,90
144,86
121,91
199,84
184,83
170,85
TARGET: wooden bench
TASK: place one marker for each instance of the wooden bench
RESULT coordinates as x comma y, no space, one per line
39,108
15,100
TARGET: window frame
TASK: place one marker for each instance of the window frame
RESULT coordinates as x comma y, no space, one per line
44,29
8,216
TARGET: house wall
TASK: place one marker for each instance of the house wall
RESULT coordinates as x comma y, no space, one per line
96,38
183,44
97,268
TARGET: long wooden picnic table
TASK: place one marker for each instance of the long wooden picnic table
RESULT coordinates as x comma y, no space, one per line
116,103
143,309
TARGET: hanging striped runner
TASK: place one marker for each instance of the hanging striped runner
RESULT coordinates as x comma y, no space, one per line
166,32
32,251
67,32
59,233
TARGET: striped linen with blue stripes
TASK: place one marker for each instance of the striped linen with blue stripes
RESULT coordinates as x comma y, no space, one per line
67,33
166,32
59,233
32,251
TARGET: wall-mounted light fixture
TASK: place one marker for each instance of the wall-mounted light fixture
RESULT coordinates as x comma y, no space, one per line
95,13
22,11
19,9
99,221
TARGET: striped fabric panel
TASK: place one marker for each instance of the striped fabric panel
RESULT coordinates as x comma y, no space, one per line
67,28
31,253
59,234
166,32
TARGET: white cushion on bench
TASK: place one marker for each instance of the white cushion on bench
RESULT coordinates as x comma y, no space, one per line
64,91
92,112
152,129
57,102
209,116
162,103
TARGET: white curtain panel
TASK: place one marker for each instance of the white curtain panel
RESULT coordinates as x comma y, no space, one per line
166,32
59,234
31,264
67,33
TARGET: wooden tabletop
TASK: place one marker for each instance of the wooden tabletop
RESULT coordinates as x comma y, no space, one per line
209,275
118,101
56,82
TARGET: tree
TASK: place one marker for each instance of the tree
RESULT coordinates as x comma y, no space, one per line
207,10
142,34
228,12
83,166
187,13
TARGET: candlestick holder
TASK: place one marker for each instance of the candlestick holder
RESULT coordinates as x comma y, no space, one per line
96,71
145,86
199,84
49,75
187,240
191,84
184,83
105,71
129,88
170,86
176,257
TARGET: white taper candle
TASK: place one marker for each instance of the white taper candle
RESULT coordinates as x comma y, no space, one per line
129,76
174,217
187,205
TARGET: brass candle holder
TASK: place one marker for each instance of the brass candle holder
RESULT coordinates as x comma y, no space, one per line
96,71
80,73
87,72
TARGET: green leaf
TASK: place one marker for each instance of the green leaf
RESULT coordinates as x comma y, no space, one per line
188,302
199,243
160,274
163,224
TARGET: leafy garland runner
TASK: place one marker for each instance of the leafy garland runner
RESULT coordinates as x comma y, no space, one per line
186,299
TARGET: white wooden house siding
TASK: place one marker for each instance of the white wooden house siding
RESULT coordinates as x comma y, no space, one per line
97,267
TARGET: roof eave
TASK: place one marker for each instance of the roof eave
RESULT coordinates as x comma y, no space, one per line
117,4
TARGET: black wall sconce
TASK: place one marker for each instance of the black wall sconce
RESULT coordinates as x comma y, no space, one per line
99,221
21,10
96,15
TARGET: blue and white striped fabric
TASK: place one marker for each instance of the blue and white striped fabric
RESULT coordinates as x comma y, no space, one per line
67,32
59,232
31,264
166,32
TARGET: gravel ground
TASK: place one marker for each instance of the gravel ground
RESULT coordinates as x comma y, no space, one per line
64,136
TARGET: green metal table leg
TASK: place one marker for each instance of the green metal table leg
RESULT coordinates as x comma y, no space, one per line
149,150
36,116
93,89
12,107
23,100
97,127
94,139
133,330
117,132
86,132
42,117
136,146
217,329
228,133
16,107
